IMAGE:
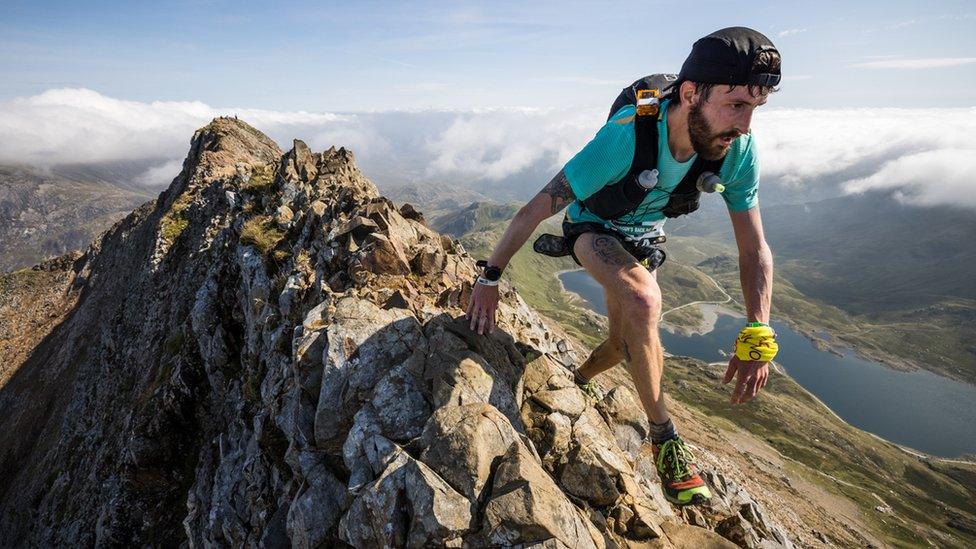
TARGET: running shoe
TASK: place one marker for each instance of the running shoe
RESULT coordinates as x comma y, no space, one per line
589,388
679,475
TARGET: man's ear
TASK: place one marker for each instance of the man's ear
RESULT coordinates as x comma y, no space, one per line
688,92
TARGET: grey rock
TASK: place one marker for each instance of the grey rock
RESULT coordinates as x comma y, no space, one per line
366,342
407,505
526,504
462,443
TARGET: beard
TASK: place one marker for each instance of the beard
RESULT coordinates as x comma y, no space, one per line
703,138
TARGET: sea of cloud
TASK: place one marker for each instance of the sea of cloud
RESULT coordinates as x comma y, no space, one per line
926,155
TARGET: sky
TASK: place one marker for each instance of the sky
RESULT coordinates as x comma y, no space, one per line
356,56
496,96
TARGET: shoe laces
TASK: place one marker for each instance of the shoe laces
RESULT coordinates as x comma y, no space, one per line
675,454
591,389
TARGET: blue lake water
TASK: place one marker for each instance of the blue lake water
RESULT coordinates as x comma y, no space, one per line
917,409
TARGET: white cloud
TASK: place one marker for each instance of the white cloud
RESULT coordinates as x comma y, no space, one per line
499,144
952,168
929,63
161,174
510,152
789,32
82,126
859,148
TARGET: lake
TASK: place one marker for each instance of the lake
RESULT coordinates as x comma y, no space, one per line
917,409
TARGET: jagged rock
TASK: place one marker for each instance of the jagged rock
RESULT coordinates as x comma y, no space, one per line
427,260
593,467
567,401
383,256
366,339
738,530
318,208
625,415
525,504
577,446
359,227
299,164
314,513
462,443
284,216
686,536
401,407
409,212
407,505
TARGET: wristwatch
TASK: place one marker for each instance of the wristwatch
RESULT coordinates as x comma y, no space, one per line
490,275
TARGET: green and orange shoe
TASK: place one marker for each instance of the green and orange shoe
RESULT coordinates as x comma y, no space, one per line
589,387
679,475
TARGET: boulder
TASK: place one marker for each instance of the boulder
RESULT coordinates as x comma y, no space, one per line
462,443
623,412
364,343
383,256
526,505
314,513
408,505
686,536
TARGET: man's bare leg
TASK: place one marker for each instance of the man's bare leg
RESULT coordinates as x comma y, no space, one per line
609,353
638,297
635,291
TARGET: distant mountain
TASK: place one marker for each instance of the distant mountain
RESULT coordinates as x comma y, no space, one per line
435,197
476,216
870,253
47,214
866,253
125,174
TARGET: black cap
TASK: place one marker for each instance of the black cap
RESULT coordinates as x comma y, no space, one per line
726,57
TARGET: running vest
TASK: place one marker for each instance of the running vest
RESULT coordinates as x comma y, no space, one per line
624,196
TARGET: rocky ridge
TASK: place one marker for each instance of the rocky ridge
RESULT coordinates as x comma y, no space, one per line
273,354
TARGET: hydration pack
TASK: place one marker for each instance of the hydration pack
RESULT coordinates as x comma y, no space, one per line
618,199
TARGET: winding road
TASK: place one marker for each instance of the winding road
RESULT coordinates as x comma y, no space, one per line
728,298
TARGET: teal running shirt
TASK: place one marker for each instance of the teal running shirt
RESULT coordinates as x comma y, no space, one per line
607,158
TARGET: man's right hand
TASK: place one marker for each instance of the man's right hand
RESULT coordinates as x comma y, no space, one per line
482,307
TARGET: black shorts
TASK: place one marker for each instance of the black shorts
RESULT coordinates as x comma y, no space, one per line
649,255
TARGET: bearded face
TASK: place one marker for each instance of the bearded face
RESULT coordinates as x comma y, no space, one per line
709,142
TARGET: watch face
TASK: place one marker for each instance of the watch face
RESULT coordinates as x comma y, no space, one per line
493,273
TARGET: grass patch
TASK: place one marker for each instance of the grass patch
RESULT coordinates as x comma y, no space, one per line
261,232
261,180
174,222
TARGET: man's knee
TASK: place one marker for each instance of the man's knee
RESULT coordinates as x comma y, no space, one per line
641,301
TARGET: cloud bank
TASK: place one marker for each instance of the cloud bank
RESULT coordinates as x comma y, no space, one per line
928,63
925,155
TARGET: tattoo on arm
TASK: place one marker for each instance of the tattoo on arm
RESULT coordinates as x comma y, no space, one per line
609,251
559,192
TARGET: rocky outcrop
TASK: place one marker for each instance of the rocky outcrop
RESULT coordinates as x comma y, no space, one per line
272,354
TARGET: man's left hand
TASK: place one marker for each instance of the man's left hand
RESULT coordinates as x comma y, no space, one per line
750,377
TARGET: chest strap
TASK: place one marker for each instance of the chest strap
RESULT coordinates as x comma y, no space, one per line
614,201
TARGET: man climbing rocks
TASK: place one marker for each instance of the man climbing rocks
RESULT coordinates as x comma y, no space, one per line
650,161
